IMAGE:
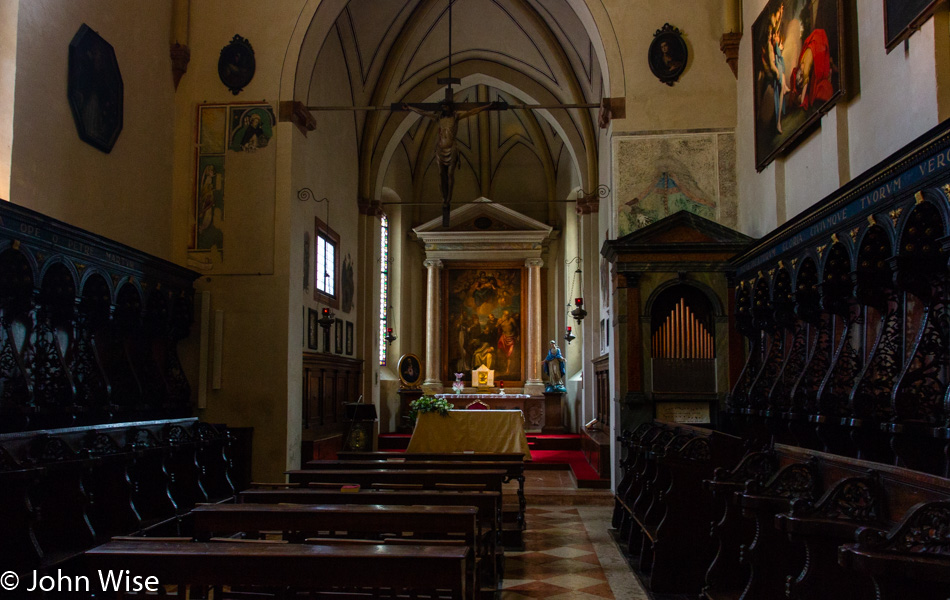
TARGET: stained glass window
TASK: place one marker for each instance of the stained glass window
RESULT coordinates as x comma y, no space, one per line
383,288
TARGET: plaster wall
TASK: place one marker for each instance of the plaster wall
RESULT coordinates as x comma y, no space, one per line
123,195
261,365
897,99
8,40
890,100
704,96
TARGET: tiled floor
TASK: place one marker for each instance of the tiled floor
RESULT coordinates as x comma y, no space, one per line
569,553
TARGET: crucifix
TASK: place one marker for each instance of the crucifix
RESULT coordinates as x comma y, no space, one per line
447,114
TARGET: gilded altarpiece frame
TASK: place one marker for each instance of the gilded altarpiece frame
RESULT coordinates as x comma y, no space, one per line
484,320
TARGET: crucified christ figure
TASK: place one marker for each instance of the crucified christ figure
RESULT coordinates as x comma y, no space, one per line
446,149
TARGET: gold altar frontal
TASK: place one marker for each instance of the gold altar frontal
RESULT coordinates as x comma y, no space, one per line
470,431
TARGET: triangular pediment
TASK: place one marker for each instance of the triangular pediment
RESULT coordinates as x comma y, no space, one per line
485,230
482,214
676,231
684,227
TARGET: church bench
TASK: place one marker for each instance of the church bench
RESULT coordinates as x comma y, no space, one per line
366,522
792,548
629,441
912,560
678,557
440,570
647,509
490,479
64,490
487,503
757,570
666,511
513,467
725,576
642,468
865,497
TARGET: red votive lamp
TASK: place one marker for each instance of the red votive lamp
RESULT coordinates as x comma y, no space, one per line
578,301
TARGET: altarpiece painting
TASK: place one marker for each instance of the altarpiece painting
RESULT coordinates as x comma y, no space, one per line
483,312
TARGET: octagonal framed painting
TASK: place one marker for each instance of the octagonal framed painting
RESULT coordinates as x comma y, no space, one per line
95,90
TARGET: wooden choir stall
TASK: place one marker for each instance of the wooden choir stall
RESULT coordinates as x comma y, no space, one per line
826,476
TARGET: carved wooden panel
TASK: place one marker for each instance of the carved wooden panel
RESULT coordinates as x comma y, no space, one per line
89,329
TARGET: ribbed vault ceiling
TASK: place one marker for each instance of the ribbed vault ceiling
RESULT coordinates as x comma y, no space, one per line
520,51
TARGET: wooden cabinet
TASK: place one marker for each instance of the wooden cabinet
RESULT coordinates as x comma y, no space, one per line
329,381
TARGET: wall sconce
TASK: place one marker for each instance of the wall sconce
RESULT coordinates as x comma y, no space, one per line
326,318
570,336
390,338
578,313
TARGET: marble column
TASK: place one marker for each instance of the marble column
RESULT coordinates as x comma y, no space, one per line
533,384
433,381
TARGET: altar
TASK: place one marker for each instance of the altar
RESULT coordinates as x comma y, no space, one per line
533,407
470,431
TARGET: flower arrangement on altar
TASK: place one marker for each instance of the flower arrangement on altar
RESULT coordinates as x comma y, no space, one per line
457,385
426,404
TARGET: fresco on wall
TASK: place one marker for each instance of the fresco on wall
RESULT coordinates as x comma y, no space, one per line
233,205
660,175
251,127
210,203
483,309
796,71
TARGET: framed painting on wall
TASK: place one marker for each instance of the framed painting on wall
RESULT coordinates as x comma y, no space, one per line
349,338
312,328
903,17
797,72
483,319
338,336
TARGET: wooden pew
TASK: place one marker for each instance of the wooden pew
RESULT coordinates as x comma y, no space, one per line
911,561
513,467
679,557
299,522
644,470
864,497
729,531
408,568
489,480
487,503
791,552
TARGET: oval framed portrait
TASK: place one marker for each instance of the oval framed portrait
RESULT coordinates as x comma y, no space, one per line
236,64
668,54
410,370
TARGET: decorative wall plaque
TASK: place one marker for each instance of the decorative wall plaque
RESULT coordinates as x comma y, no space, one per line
94,88
668,54
236,64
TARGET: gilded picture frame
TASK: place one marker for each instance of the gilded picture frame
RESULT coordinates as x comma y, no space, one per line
409,369
484,312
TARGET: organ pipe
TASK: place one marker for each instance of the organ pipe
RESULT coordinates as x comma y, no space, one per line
682,335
